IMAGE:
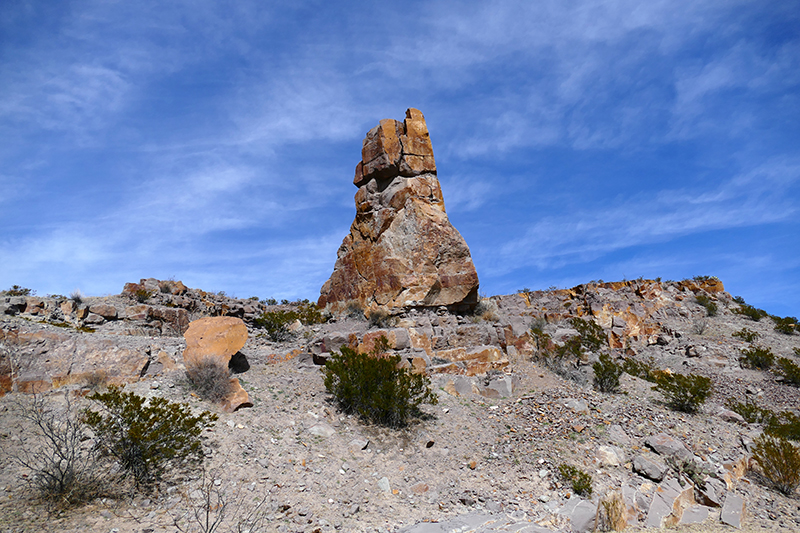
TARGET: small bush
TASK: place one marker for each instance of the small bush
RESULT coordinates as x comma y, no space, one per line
210,378
699,326
757,357
786,325
641,369
147,438
486,310
76,296
785,424
685,393
580,481
141,295
705,301
276,323
611,514
17,290
789,370
779,461
355,310
63,473
750,312
591,334
750,411
380,318
372,386
747,335
606,374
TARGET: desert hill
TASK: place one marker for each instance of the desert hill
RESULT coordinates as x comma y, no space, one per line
487,457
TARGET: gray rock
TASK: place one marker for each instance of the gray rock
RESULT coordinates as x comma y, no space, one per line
358,444
579,406
383,484
618,436
733,510
322,429
669,501
94,319
652,470
694,515
610,455
731,416
581,514
663,444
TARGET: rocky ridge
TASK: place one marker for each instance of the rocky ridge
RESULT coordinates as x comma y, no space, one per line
487,461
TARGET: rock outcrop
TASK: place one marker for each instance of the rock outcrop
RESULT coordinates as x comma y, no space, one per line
402,250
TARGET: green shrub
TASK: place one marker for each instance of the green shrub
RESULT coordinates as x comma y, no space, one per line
705,301
591,334
757,357
63,474
210,378
276,323
747,335
751,312
606,374
750,411
641,369
372,386
785,424
685,393
580,481
779,460
141,295
789,370
147,438
17,290
786,325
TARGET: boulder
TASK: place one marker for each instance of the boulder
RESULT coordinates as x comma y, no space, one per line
652,470
665,445
219,337
108,312
402,250
733,511
669,502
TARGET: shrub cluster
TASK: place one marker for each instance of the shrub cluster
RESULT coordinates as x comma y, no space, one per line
380,318
375,387
705,301
580,481
747,335
147,437
786,325
277,322
789,370
645,370
779,460
753,313
685,393
606,374
784,424
17,290
757,357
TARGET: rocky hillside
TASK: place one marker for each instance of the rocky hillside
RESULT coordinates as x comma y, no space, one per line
512,410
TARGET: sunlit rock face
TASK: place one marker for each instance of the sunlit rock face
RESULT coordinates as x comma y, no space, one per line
402,250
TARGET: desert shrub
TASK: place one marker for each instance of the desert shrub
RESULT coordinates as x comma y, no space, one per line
276,323
747,335
611,515
705,278
796,351
380,318
96,380
308,313
17,290
739,300
685,393
779,460
269,301
147,437
785,325
757,357
486,310
645,370
705,301
591,334
210,378
688,468
63,473
606,374
789,370
784,424
372,386
355,310
141,295
753,313
750,411
699,326
580,481
76,296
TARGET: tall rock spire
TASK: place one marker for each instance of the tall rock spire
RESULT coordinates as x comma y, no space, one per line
402,250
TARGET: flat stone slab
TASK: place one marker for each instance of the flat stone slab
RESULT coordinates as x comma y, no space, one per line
663,444
733,510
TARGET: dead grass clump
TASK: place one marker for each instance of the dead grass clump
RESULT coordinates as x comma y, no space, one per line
611,513
209,378
779,460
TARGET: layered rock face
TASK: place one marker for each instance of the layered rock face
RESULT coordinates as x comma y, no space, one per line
402,250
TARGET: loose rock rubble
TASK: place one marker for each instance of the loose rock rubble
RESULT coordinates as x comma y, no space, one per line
487,459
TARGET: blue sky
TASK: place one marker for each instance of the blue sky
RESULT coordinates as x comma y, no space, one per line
215,142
